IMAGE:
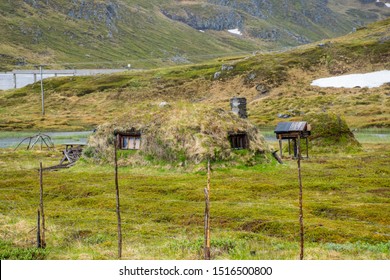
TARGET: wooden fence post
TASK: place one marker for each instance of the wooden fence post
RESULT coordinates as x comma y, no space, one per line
280,146
207,254
39,245
118,213
276,156
43,240
307,147
300,199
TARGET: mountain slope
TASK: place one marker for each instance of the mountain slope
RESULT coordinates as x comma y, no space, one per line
92,33
285,22
273,83
115,33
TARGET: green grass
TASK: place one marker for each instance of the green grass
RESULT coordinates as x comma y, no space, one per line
83,103
254,210
10,252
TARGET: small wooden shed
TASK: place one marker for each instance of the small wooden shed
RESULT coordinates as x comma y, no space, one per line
294,131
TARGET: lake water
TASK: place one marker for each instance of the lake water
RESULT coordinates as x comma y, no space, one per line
23,79
12,139
58,138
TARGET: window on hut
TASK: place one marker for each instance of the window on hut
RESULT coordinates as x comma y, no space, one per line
239,140
129,141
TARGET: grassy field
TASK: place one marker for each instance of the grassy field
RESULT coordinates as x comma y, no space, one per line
273,84
254,210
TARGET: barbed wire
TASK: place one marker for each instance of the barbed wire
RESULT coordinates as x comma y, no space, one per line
200,201
52,212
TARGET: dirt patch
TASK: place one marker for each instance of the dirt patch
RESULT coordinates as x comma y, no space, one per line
385,192
254,226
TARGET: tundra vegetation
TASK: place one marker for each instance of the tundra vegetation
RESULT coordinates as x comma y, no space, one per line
254,209
254,205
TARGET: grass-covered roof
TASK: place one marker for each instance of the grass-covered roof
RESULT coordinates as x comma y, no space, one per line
180,133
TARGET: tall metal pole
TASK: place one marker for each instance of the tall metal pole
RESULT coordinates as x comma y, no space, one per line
42,91
14,80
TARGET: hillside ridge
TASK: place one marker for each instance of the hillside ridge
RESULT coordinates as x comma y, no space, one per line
113,34
274,83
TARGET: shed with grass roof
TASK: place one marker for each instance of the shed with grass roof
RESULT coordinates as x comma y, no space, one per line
182,133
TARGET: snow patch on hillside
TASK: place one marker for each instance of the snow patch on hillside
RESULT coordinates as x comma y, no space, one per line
370,80
235,31
386,4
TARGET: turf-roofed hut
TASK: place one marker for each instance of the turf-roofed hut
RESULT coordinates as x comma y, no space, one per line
330,133
178,134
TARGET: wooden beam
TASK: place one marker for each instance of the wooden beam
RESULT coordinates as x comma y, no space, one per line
280,146
307,147
289,147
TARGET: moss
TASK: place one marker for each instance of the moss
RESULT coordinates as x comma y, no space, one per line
254,209
9,251
330,131
184,133
17,94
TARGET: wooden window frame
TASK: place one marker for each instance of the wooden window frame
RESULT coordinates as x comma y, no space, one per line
239,141
124,141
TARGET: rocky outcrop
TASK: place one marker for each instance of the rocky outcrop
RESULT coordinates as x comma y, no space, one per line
106,12
90,10
275,34
303,13
260,8
266,34
269,20
367,1
214,19
86,30
301,39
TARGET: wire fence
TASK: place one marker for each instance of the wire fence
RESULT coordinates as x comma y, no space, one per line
91,208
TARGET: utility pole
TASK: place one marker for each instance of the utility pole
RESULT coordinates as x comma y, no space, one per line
42,91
